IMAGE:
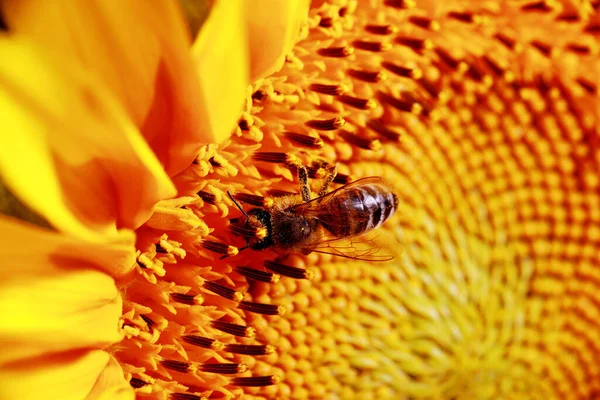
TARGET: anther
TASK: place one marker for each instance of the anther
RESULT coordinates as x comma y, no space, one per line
328,89
429,87
357,102
568,17
326,124
260,308
367,76
207,197
250,349
507,41
287,270
447,58
179,366
326,22
255,381
380,29
462,16
160,249
148,320
305,140
401,104
234,329
243,124
336,52
588,85
493,65
214,162
259,95
371,45
592,28
400,4
543,48
223,368
185,396
541,6
189,299
424,22
220,248
223,291
380,127
358,141
257,275
253,199
414,43
204,342
414,73
137,383
274,157
578,48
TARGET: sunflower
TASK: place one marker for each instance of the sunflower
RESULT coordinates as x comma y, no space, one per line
483,115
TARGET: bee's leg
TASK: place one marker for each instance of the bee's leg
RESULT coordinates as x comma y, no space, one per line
303,178
331,171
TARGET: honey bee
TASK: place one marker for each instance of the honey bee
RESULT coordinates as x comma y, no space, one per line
325,224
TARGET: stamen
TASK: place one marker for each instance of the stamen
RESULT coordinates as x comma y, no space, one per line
274,157
179,366
587,85
332,90
223,368
185,396
160,249
207,197
447,58
137,383
543,48
337,52
429,87
326,22
414,43
289,271
326,124
579,48
462,16
402,104
223,291
305,140
280,193
367,76
250,349
220,248
541,6
244,230
357,102
257,275
507,41
341,179
243,124
256,381
370,45
189,299
381,29
253,199
383,130
414,73
148,320
234,329
424,22
592,28
203,342
260,308
400,4
362,142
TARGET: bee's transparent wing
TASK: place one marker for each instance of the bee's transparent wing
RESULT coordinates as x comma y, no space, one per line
364,248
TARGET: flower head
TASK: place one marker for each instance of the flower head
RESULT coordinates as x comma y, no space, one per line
482,115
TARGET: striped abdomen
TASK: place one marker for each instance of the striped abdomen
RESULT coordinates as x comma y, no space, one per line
358,210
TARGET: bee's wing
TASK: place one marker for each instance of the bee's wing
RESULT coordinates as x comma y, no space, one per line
310,206
363,248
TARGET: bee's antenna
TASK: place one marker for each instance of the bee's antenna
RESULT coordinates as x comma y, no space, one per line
237,204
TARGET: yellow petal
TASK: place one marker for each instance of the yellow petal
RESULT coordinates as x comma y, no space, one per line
140,50
221,55
52,296
111,384
65,376
273,28
68,151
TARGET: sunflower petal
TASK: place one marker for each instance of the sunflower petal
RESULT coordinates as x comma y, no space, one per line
65,376
140,50
53,299
111,384
221,55
273,28
69,153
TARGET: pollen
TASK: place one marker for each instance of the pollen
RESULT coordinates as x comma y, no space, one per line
483,116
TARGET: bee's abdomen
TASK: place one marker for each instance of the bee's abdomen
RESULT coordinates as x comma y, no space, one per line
361,209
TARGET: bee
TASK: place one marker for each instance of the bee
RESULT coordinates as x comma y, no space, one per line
326,223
